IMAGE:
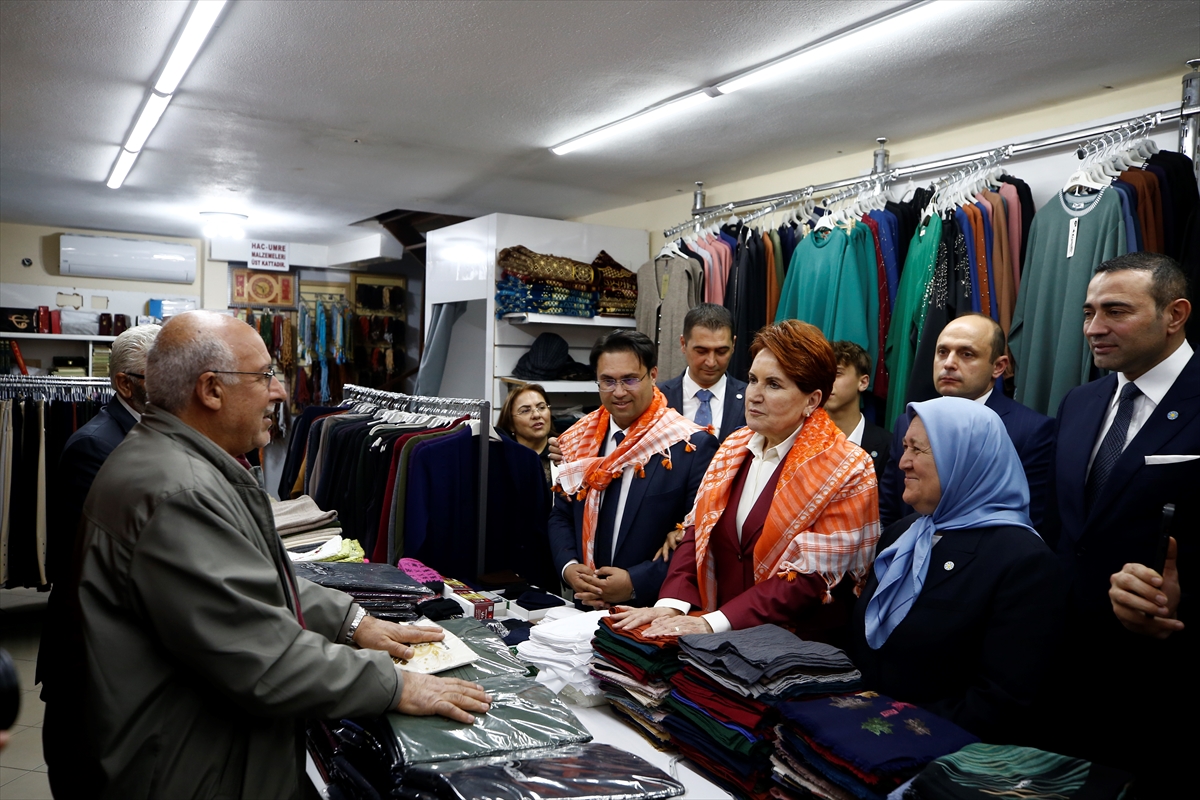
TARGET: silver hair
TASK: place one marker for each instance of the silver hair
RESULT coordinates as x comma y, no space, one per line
129,351
171,372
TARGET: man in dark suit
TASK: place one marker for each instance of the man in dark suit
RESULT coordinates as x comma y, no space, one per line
853,377
1129,444
61,675
638,509
704,392
968,360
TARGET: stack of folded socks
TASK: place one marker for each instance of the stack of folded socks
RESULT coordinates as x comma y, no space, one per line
770,663
303,525
383,590
632,670
561,650
861,745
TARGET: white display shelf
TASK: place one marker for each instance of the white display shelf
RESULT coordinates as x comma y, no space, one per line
562,319
59,337
583,387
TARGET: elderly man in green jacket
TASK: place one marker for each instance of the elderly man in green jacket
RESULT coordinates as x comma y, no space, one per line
204,650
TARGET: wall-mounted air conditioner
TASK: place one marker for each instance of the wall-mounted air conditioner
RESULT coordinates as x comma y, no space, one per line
126,259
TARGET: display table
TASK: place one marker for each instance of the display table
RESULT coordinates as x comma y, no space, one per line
607,728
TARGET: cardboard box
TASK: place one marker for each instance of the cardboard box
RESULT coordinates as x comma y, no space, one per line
474,604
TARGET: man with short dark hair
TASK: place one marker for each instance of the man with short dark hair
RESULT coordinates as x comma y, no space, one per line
204,651
853,377
628,477
968,360
1129,444
704,392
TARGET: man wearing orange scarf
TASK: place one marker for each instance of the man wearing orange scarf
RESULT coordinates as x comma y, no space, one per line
629,476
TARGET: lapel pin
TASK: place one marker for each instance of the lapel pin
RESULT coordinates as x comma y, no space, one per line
949,565
1172,415
739,397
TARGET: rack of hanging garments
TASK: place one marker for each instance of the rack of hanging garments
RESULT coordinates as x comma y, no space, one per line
37,416
323,323
424,478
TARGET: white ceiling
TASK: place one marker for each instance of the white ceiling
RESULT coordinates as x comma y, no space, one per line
310,116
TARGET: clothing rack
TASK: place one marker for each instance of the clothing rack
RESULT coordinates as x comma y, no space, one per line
53,387
477,410
1147,122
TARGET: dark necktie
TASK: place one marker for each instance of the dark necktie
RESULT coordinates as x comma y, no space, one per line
1113,444
704,413
608,513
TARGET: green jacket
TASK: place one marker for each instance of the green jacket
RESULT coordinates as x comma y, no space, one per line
198,670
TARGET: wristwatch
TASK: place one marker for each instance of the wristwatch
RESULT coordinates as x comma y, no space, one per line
358,618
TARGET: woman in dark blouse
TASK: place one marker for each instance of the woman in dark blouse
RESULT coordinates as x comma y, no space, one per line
526,417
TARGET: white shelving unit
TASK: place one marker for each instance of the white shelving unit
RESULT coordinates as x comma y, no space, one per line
44,346
461,266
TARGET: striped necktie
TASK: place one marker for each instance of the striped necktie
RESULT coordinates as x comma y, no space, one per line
1113,444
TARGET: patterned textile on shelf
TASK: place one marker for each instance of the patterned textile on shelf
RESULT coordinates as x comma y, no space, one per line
618,287
534,267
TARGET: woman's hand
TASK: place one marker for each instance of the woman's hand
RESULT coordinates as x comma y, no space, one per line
625,617
669,544
677,626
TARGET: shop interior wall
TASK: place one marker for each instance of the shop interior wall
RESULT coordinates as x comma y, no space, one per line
656,215
40,244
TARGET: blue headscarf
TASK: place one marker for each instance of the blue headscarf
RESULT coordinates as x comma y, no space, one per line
983,486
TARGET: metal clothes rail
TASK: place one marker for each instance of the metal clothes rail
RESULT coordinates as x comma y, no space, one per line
1147,122
477,410
54,387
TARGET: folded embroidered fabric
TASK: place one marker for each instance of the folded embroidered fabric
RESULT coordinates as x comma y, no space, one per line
988,771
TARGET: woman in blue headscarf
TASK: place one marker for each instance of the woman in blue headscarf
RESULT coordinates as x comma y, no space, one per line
965,603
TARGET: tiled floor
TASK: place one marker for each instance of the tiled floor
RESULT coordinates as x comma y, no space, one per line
22,768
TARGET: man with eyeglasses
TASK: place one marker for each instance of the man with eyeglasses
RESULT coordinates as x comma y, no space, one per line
204,651
629,475
60,667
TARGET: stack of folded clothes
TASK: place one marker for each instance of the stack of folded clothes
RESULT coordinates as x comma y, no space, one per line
561,650
574,771
336,549
988,771
618,287
770,663
302,525
377,754
861,745
536,283
381,589
632,671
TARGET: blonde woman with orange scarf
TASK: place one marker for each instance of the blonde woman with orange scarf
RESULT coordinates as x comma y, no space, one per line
787,516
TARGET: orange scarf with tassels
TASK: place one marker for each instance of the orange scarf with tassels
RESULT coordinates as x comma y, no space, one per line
824,516
584,475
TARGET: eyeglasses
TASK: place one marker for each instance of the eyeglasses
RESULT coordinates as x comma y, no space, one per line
610,384
133,375
269,374
525,411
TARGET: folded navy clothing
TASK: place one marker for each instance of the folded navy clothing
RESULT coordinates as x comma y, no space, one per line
440,608
366,577
534,600
681,728
518,631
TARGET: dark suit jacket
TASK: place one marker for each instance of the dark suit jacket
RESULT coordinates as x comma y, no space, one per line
1031,433
878,444
654,506
1132,672
733,412
797,604
976,645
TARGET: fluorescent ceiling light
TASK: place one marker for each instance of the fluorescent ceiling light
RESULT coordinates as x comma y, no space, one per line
223,225
760,74
667,109
156,104
121,168
203,17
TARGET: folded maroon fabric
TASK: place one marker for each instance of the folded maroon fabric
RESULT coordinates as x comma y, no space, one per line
723,705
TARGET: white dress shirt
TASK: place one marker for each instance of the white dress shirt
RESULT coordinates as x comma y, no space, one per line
765,460
626,480
983,398
691,403
855,436
1153,385
136,416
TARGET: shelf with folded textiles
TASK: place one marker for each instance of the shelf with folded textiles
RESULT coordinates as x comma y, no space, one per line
556,387
531,318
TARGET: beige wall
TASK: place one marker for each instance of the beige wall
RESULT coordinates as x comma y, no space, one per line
40,243
655,215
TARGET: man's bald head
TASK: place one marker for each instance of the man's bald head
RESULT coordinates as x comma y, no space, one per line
969,356
189,345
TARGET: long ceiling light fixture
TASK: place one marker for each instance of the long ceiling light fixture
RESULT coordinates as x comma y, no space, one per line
761,73
200,23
